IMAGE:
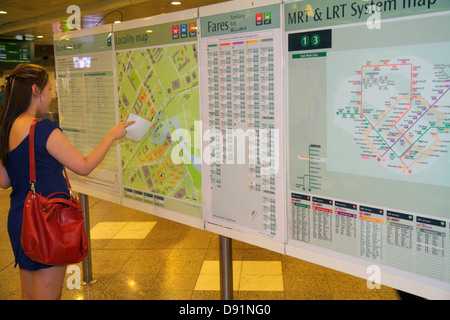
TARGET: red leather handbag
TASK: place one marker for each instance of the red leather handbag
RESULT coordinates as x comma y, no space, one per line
53,227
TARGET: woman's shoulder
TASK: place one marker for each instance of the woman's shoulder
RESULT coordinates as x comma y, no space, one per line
44,128
19,131
47,123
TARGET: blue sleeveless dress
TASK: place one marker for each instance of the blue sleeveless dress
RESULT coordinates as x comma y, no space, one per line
49,179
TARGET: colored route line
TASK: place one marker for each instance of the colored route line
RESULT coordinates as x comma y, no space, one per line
402,134
377,67
310,159
309,171
424,113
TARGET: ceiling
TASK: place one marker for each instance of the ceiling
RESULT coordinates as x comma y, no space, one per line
37,18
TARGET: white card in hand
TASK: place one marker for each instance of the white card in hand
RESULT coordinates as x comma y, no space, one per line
138,129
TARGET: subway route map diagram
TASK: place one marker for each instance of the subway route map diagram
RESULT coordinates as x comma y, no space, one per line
398,111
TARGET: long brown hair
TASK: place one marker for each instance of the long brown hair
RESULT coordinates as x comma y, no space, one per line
17,99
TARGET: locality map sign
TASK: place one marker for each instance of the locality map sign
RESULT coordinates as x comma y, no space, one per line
158,81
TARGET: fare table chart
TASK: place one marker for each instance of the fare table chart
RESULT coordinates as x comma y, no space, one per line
242,116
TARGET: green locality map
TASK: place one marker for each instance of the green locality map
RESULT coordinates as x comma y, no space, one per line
160,84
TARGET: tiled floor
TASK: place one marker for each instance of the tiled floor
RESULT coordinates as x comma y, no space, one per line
136,255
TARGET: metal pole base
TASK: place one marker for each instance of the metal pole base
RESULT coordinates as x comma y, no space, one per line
84,283
226,268
87,262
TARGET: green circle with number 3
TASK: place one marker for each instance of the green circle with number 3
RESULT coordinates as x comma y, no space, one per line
315,40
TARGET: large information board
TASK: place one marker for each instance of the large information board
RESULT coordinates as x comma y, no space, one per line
318,129
158,82
86,103
242,116
368,130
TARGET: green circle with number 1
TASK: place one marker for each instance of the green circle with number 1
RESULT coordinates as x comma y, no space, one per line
315,40
304,41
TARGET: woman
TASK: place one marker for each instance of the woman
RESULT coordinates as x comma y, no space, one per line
28,92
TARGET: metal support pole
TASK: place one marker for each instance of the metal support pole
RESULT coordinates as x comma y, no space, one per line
87,261
226,268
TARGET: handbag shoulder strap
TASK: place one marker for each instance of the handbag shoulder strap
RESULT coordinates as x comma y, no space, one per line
31,149
32,158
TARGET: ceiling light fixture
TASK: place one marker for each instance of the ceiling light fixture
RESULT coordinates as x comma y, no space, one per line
175,3
3,12
39,37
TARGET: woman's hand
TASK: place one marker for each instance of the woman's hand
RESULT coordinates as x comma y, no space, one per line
120,130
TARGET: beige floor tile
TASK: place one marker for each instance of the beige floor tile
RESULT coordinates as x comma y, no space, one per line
259,295
247,275
107,266
149,254
206,282
122,230
191,267
308,295
261,282
88,292
123,244
150,267
210,268
205,295
187,254
261,267
135,230
106,230
8,285
164,294
209,277
213,267
174,282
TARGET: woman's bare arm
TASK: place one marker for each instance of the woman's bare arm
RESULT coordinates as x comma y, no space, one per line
5,183
66,154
